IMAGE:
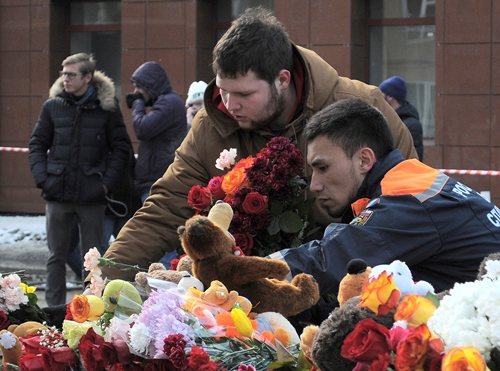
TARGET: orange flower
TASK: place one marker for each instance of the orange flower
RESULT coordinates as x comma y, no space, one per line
380,295
412,351
237,177
86,308
415,310
463,358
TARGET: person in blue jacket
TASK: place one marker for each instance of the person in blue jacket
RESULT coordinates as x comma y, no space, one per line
391,208
159,130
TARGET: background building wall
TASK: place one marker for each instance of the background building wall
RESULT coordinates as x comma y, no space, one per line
179,35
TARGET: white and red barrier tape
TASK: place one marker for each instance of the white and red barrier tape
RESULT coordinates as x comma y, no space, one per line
14,149
470,172
446,171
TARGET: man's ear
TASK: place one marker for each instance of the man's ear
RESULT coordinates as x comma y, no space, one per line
284,79
367,159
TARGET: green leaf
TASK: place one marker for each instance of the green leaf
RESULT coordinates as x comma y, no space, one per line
289,222
433,298
274,227
275,208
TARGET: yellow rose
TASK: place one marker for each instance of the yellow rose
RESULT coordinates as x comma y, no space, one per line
86,308
463,358
380,294
415,310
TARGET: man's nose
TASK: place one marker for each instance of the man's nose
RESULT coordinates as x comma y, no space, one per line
232,103
315,185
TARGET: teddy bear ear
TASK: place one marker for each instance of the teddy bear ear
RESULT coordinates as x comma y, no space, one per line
181,230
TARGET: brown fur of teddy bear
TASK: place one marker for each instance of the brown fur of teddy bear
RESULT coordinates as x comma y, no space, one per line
158,271
261,280
332,332
353,282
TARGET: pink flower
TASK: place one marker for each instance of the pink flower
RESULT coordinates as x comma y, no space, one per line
91,259
97,283
226,159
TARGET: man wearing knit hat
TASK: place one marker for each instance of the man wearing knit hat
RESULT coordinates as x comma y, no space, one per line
394,89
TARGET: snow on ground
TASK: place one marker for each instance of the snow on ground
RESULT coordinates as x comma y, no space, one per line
14,229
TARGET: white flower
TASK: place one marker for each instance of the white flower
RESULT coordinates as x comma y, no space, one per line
91,259
140,337
226,159
469,316
11,293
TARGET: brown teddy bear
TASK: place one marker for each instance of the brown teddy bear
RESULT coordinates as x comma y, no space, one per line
353,282
158,271
261,280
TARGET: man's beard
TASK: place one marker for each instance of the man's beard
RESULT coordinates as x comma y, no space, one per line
275,107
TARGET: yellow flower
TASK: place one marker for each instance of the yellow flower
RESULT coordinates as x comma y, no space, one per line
73,331
86,308
463,358
415,310
380,294
27,289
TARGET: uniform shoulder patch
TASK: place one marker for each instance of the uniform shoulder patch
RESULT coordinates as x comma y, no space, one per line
362,217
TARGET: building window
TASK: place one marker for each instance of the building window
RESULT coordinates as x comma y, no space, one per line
95,28
402,42
229,10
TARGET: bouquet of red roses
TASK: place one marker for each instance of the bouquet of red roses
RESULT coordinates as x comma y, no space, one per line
267,195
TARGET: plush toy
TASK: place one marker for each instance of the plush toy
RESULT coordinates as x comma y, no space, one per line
209,244
11,347
116,288
358,273
353,282
402,278
328,340
217,294
26,328
182,275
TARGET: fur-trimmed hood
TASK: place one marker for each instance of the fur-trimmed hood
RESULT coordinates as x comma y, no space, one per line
103,84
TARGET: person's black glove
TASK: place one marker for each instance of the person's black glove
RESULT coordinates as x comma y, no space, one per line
131,97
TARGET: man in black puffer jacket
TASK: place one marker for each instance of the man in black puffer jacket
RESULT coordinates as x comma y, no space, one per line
78,150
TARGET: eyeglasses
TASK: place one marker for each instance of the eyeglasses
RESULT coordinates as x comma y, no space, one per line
69,75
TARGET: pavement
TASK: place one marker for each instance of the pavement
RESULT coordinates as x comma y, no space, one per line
23,246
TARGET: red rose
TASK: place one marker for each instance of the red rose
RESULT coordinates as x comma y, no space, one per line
108,354
30,362
4,321
199,360
255,203
31,344
244,241
58,359
199,197
411,352
366,342
89,347
215,186
123,352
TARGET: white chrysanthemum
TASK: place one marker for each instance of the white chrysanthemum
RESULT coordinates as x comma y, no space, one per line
492,269
469,316
140,337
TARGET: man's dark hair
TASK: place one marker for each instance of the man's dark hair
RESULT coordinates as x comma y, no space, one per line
256,41
352,124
